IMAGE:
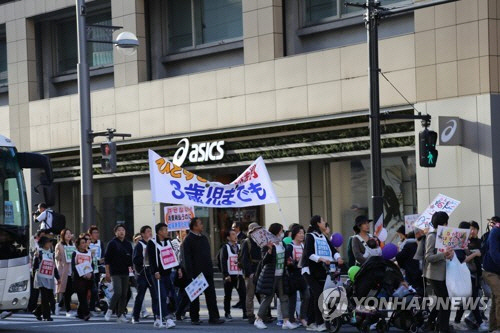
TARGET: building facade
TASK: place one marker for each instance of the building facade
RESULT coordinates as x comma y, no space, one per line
279,78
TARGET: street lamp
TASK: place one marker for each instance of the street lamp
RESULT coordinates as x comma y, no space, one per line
128,43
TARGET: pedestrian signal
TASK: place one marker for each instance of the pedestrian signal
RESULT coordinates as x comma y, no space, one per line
108,157
428,152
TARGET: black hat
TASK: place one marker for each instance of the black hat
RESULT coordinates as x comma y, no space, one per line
43,240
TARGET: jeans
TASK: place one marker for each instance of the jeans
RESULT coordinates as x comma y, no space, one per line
304,303
120,290
493,280
143,284
210,298
443,319
166,291
238,283
277,289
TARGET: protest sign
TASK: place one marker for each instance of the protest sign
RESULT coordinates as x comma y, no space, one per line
409,222
84,268
178,217
449,237
168,257
68,250
173,184
197,287
262,237
441,203
47,266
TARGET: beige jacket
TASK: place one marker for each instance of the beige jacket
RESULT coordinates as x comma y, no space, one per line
63,267
435,262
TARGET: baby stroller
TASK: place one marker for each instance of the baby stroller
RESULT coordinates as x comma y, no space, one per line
381,278
104,293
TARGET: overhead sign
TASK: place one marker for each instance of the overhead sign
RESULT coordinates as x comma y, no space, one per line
172,184
450,131
198,152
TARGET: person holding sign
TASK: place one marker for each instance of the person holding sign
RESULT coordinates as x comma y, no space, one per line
162,260
118,260
64,251
45,268
435,269
318,252
195,251
273,278
233,275
83,276
96,247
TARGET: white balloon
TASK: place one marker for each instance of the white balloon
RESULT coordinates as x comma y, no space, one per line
382,235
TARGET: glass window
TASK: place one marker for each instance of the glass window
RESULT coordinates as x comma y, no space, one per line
198,22
3,62
98,54
319,11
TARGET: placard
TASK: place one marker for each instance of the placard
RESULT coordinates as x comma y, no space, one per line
441,203
68,250
84,268
197,287
178,217
47,266
168,257
449,237
262,237
409,222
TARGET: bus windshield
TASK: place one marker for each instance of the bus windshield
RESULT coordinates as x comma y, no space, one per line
14,220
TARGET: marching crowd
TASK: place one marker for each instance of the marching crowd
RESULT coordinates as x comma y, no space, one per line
292,266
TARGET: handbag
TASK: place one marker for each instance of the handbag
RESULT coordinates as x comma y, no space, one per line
458,279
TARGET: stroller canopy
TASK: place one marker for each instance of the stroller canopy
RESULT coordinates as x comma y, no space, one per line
375,274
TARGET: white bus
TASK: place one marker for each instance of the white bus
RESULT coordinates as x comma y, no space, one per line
14,224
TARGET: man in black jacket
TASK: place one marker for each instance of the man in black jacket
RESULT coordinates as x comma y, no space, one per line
251,255
144,277
233,276
118,260
157,248
195,251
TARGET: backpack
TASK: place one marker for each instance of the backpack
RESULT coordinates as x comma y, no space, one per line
240,252
58,222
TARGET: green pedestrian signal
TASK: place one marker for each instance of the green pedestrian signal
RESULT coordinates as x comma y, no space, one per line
427,146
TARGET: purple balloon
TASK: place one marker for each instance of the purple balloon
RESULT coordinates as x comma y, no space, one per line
336,240
389,251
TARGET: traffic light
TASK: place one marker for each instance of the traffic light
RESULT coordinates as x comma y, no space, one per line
108,157
427,145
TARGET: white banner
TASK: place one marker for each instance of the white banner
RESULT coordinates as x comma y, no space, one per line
441,203
173,184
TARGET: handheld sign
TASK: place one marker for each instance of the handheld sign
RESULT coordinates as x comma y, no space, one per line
441,203
197,287
455,238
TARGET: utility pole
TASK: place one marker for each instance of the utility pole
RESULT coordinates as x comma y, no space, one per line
374,12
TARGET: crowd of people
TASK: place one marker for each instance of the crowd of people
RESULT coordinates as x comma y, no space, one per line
291,268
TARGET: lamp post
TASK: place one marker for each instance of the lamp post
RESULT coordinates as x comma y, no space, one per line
126,41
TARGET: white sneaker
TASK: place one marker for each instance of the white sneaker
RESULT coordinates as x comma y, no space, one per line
170,323
484,327
289,325
70,314
259,324
108,314
135,321
57,311
122,319
312,327
321,328
145,314
158,323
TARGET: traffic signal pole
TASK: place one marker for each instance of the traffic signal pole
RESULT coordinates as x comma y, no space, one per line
374,12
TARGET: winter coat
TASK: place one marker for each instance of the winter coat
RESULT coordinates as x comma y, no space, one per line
63,267
265,280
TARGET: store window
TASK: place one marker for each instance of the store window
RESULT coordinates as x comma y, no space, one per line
322,11
3,59
192,23
98,54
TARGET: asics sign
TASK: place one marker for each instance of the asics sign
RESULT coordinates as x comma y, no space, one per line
450,131
198,152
